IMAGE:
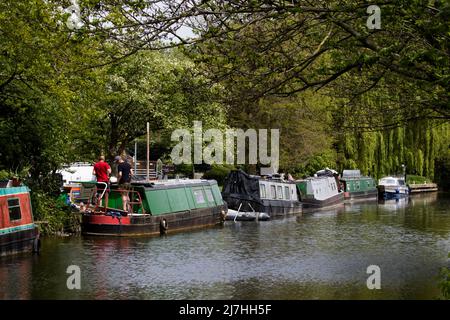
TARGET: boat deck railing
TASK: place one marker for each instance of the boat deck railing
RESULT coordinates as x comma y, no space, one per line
96,201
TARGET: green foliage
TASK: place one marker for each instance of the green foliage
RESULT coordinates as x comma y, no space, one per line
383,153
162,88
443,170
218,172
316,163
413,179
184,169
4,175
55,216
445,282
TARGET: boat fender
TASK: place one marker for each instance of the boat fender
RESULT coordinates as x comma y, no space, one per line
37,245
223,216
163,226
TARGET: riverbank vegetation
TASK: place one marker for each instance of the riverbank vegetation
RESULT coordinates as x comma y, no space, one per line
343,96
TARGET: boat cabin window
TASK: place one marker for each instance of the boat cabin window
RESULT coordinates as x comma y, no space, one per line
280,192
14,209
287,196
199,198
401,182
262,190
273,192
209,195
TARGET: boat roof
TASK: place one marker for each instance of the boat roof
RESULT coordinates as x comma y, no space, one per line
351,174
396,178
314,178
278,177
327,172
6,191
173,183
390,177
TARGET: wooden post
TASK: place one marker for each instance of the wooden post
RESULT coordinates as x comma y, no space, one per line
135,157
148,151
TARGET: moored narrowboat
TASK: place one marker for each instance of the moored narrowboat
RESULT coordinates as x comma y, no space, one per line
318,193
250,193
154,208
18,232
356,186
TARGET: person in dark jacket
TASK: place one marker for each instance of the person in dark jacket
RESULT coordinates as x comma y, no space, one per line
124,171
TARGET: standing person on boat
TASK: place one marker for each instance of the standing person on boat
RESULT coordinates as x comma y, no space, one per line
125,172
102,170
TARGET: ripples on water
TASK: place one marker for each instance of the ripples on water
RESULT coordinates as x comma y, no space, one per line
323,255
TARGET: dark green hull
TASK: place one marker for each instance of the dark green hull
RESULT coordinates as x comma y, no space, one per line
359,188
356,195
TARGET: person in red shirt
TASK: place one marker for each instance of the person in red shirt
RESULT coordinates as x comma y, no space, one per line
102,170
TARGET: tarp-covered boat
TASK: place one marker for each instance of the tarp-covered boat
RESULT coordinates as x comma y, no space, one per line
271,195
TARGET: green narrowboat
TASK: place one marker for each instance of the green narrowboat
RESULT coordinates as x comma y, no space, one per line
356,186
153,208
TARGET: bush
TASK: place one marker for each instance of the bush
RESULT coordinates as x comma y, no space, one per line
184,170
218,173
445,282
57,217
412,179
48,206
442,171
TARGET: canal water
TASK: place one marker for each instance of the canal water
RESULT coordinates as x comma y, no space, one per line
322,255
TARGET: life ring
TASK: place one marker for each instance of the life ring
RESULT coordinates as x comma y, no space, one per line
163,226
37,245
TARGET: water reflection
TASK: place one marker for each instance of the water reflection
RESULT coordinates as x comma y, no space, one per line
321,255
15,280
393,204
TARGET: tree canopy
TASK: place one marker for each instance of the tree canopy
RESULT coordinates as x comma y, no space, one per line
312,68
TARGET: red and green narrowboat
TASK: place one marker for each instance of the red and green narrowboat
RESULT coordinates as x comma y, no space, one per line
155,208
18,233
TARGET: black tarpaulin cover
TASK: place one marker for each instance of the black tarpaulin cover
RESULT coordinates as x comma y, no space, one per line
242,185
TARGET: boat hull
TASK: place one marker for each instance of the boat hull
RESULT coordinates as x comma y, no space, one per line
274,208
314,204
363,195
19,241
392,192
148,225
